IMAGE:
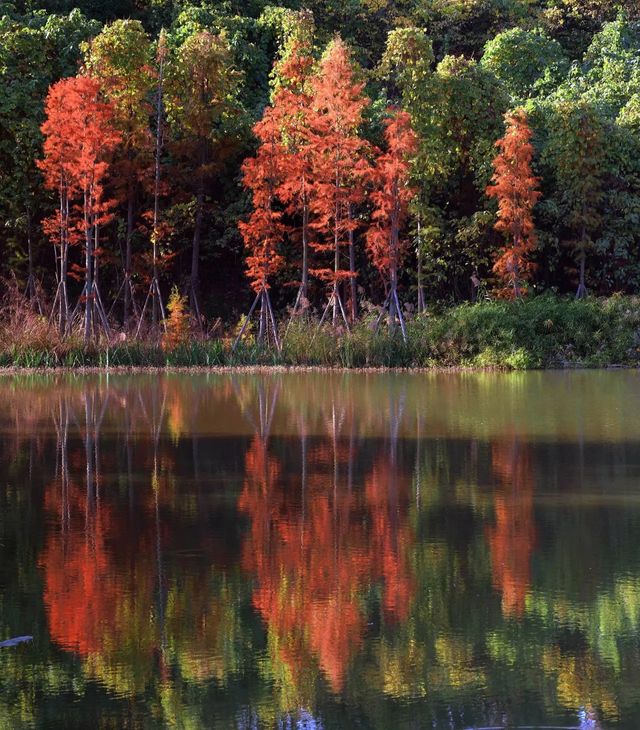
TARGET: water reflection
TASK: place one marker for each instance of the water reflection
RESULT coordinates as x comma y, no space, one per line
321,551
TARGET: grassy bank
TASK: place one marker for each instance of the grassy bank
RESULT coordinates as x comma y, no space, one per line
542,332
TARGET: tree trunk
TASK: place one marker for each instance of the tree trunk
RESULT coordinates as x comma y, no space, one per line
195,250
262,321
154,289
304,284
394,245
336,247
64,263
581,293
353,304
31,287
88,276
419,256
127,257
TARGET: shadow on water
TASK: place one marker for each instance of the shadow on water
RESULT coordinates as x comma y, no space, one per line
321,550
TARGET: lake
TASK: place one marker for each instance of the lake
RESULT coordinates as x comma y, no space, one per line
320,550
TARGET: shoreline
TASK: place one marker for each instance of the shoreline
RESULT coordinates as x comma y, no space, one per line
541,333
284,369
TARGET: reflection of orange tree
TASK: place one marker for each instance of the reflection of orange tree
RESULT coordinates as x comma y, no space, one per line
81,591
316,555
391,538
512,538
99,604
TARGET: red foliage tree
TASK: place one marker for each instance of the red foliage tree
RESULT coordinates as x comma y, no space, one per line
264,231
292,108
340,165
391,199
514,185
79,134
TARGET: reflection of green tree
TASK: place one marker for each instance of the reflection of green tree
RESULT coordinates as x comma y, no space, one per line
205,636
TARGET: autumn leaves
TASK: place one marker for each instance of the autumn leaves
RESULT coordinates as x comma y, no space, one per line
319,187
315,178
314,174
79,134
515,188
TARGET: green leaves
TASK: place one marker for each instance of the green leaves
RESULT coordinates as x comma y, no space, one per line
527,62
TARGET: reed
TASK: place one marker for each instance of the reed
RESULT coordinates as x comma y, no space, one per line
540,332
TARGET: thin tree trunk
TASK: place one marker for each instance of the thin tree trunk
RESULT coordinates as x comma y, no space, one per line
88,274
127,256
394,244
336,257
581,293
421,306
516,273
304,285
262,318
353,304
64,294
31,288
392,310
155,288
195,251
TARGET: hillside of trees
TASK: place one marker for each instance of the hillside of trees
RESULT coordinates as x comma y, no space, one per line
171,167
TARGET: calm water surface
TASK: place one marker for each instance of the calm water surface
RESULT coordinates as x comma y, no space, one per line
320,550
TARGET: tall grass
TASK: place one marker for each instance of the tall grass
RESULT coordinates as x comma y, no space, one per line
540,332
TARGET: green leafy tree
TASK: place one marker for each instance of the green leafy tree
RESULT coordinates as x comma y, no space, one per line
577,135
200,99
527,62
120,58
456,110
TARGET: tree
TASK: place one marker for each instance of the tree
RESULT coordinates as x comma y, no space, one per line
515,188
177,333
201,88
264,231
576,151
79,133
34,52
391,199
455,111
120,58
340,167
292,107
526,61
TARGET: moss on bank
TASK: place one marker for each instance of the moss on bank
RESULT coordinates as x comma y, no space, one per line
541,332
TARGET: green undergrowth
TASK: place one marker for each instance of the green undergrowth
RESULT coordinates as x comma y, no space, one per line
541,332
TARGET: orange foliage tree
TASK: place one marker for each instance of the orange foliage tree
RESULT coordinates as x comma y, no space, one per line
514,185
292,107
79,133
340,167
391,199
264,231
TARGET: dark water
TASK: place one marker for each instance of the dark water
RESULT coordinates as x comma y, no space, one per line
320,551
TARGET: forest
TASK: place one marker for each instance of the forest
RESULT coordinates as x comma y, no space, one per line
428,181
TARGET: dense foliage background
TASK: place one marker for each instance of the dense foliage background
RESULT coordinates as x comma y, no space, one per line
456,65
